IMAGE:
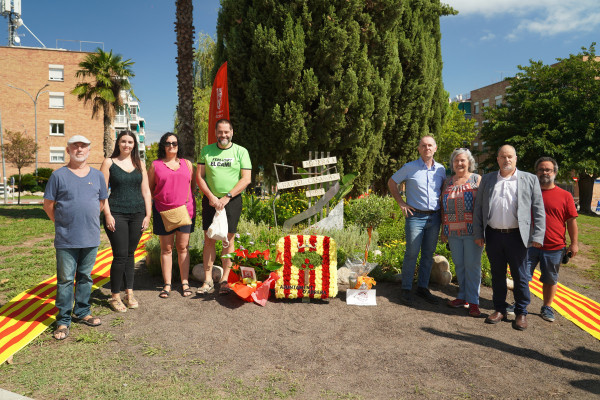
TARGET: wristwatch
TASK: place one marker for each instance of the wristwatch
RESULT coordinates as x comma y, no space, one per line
229,195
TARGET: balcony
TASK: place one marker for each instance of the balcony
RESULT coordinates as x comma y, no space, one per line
120,121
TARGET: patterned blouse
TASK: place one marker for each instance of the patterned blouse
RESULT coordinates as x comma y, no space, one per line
457,203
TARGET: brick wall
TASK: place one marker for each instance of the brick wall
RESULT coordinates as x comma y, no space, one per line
478,96
28,69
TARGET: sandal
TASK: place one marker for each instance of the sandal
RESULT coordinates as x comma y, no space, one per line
206,288
186,292
61,331
117,305
224,288
130,301
164,293
89,320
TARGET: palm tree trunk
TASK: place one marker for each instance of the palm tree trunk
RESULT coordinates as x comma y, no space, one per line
108,136
184,26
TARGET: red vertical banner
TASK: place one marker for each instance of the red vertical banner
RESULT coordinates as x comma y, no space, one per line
219,102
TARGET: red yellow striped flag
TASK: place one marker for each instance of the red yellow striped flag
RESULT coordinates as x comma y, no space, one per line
582,311
30,313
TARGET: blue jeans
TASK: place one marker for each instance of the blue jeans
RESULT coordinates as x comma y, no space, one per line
422,231
74,265
549,264
467,261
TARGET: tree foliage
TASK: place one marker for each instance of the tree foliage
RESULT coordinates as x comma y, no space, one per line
553,110
184,27
19,151
204,61
361,79
457,131
110,74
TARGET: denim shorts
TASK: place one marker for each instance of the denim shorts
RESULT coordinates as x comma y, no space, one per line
549,261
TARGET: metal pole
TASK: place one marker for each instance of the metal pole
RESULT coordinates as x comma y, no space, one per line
3,165
36,140
39,92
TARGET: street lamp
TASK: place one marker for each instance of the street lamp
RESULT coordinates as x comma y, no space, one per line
39,92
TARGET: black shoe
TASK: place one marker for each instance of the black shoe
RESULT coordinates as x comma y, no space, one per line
427,296
406,297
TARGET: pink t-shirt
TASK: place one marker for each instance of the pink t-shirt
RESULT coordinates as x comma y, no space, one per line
173,188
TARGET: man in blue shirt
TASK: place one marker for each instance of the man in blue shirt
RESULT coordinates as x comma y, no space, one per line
423,179
74,196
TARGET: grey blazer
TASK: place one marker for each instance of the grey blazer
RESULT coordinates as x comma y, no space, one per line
530,205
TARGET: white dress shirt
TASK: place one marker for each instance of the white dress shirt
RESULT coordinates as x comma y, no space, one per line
503,204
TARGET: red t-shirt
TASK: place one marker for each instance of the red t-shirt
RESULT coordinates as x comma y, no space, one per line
560,207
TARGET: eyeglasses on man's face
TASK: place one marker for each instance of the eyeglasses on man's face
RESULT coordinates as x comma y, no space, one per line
545,170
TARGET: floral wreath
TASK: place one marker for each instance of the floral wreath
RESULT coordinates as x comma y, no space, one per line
309,267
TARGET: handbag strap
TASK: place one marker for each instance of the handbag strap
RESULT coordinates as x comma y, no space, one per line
187,197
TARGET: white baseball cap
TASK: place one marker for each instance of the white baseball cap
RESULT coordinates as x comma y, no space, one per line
79,139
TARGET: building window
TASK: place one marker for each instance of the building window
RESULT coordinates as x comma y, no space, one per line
57,128
498,101
485,103
57,155
56,72
57,99
476,108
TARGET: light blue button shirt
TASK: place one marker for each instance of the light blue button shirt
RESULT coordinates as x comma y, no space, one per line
423,185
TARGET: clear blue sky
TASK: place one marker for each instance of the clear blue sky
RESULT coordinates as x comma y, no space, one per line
485,42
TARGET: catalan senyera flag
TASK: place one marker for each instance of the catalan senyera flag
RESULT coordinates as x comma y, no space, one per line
219,102
30,313
582,311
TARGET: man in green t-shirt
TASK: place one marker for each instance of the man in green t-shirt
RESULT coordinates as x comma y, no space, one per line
224,171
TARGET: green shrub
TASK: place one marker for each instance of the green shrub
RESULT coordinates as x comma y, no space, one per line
290,203
28,182
257,210
368,210
44,173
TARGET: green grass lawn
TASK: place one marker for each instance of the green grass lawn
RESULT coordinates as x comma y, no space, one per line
26,249
82,368
589,234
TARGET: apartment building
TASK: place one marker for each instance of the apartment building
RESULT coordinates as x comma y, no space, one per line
39,81
490,96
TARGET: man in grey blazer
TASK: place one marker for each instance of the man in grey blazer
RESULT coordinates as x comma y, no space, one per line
509,217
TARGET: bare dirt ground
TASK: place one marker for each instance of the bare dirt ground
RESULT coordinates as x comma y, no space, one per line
331,350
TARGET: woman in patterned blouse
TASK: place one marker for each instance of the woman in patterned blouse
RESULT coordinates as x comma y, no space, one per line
458,199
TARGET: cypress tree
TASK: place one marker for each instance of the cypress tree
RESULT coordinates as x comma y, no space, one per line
361,79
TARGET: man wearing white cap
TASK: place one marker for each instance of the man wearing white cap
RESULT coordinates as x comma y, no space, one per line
73,199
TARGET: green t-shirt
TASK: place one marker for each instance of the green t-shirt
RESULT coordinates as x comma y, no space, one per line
223,167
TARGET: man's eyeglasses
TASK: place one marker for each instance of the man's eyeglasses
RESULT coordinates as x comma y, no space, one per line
172,144
545,170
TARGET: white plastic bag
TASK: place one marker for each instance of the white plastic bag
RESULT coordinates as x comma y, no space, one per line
218,228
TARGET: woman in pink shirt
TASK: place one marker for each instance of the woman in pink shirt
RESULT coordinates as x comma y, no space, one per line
171,184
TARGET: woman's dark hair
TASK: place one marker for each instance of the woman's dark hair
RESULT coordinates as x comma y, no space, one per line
162,153
135,153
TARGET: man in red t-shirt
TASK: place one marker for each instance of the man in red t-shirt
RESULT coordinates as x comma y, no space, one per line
560,211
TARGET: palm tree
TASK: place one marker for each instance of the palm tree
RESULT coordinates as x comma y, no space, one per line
184,26
110,74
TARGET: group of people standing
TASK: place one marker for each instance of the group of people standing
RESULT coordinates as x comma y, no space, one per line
521,219
76,194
